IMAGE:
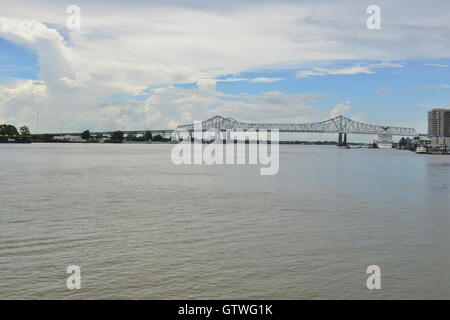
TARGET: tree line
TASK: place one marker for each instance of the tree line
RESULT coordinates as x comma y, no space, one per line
10,130
116,136
119,136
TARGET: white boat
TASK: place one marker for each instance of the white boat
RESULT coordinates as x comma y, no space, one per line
421,150
384,141
384,145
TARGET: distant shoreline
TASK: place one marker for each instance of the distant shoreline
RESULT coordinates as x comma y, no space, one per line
318,143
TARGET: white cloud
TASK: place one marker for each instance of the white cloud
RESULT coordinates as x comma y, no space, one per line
211,84
19,102
386,64
437,65
340,109
183,105
164,108
124,49
232,80
265,80
366,69
207,85
435,86
342,71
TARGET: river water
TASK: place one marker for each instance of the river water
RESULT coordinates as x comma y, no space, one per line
140,227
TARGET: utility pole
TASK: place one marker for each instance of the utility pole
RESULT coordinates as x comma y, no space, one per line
37,120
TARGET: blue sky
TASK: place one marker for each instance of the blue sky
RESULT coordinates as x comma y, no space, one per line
17,62
153,65
390,95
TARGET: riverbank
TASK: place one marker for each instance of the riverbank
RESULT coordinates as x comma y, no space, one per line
15,139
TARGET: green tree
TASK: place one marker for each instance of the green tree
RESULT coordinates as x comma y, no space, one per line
24,131
99,136
158,137
117,136
86,135
131,137
8,130
147,136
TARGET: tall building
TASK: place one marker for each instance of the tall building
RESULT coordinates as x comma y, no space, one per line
439,123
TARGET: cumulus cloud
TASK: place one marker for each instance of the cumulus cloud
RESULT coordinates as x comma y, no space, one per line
125,49
164,108
190,105
340,109
53,55
20,101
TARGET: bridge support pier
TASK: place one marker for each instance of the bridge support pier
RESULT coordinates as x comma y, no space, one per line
342,140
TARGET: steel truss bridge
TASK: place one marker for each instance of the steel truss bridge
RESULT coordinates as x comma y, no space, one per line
340,125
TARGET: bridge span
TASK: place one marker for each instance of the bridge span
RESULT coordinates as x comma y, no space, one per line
340,125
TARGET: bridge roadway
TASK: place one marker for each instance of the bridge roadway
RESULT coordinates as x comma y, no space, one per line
340,125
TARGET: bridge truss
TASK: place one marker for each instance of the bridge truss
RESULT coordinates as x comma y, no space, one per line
339,124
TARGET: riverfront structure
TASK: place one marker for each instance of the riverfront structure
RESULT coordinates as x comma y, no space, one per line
439,123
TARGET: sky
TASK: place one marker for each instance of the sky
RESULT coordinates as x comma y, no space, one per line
156,64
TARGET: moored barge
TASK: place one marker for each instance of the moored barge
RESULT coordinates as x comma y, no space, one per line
14,139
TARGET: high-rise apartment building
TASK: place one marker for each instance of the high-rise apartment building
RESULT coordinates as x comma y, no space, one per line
439,123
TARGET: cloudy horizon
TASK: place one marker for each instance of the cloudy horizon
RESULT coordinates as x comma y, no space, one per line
157,64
